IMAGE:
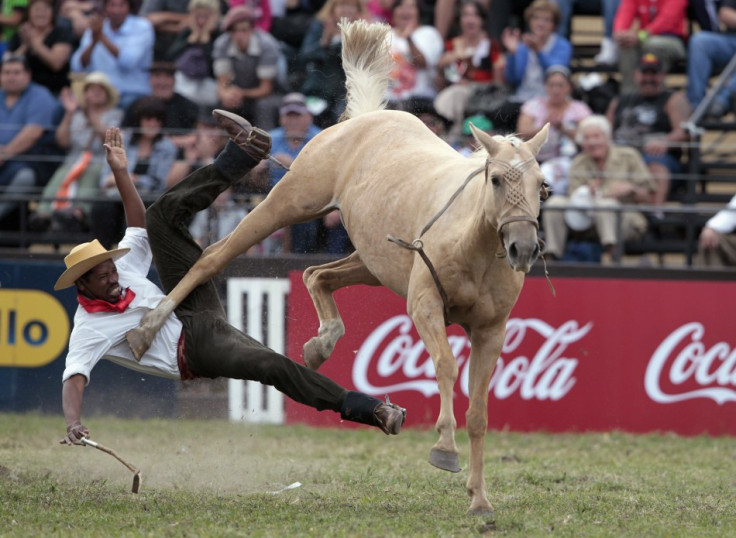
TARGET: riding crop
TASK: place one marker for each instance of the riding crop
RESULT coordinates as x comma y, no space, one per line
136,472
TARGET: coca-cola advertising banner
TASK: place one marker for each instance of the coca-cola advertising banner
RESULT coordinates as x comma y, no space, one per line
601,354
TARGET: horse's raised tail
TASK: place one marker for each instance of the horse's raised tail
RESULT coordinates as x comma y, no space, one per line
367,61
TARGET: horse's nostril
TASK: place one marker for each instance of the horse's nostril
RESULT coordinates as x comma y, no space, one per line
535,252
513,251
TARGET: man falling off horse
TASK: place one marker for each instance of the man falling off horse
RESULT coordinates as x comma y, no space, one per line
196,340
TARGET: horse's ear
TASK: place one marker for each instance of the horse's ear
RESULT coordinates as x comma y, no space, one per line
486,140
539,139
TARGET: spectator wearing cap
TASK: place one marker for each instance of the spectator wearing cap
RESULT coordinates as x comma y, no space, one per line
648,26
558,108
181,113
295,131
192,50
28,116
120,45
650,119
246,63
46,45
707,52
89,110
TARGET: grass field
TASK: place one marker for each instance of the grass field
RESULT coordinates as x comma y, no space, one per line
219,479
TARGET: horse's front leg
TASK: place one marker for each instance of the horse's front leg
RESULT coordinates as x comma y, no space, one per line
485,347
321,282
426,311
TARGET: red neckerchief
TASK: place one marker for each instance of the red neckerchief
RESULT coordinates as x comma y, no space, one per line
100,305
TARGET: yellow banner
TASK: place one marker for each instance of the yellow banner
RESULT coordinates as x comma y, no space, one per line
34,328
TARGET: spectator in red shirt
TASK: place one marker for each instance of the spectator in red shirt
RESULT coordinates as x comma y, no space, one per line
470,59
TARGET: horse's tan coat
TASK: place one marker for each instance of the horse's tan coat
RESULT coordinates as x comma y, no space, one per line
389,175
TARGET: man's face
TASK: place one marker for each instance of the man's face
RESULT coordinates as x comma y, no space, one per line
14,78
162,84
116,11
101,282
649,82
594,142
240,34
296,125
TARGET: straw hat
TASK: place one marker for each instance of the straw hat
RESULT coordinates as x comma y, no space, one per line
96,77
84,257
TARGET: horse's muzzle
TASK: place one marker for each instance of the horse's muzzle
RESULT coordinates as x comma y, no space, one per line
519,237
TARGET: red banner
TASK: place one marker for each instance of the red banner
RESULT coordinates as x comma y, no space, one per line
601,355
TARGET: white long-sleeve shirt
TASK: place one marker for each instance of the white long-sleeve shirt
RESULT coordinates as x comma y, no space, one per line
101,335
725,220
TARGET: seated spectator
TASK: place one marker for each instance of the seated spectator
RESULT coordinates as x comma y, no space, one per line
287,141
528,57
181,113
168,18
121,46
717,243
46,45
608,54
150,158
28,116
191,52
246,67
81,133
320,58
709,52
261,10
603,175
12,15
650,119
471,59
563,113
416,48
649,26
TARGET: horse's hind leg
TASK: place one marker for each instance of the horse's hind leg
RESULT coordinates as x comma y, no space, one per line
321,282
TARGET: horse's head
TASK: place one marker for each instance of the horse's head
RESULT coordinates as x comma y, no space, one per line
516,188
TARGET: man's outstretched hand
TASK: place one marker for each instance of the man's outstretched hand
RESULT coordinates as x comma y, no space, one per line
74,434
115,149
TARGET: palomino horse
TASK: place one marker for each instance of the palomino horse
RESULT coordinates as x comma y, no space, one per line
389,176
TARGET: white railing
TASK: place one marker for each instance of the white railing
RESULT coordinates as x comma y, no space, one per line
250,401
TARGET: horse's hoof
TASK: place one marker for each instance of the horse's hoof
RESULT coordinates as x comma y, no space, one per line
139,342
312,353
485,511
447,461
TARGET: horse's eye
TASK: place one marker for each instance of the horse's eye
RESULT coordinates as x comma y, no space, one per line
495,180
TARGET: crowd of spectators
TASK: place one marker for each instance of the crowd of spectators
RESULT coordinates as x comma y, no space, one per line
156,68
